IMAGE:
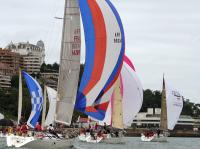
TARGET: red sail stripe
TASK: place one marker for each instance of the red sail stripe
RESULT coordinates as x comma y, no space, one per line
100,45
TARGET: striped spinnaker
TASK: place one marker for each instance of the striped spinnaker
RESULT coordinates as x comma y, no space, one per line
105,46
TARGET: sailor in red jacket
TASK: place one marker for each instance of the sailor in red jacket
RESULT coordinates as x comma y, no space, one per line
24,129
38,127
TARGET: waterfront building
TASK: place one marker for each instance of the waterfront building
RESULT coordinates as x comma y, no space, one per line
5,75
11,59
151,119
33,56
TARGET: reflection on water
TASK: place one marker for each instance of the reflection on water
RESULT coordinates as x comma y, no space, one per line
135,143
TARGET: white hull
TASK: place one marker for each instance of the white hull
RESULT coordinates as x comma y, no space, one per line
107,140
18,141
33,143
89,139
153,138
2,135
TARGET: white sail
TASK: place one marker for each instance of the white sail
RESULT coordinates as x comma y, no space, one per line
69,63
132,94
52,94
20,97
174,101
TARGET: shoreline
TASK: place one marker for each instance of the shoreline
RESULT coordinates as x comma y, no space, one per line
176,133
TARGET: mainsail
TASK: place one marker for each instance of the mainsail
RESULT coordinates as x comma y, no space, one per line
44,106
171,107
69,63
20,97
117,105
36,99
105,46
163,117
52,94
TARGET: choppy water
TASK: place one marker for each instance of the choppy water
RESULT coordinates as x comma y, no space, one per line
135,143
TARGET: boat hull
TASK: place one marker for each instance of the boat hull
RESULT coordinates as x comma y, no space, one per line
35,143
50,143
153,138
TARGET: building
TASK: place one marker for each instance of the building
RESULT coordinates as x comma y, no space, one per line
5,75
151,119
50,79
11,59
33,56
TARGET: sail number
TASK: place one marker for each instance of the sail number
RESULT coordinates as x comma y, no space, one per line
117,38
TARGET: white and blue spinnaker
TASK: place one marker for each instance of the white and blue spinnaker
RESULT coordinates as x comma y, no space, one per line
35,91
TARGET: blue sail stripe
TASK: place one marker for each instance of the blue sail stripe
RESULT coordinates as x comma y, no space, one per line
89,58
90,43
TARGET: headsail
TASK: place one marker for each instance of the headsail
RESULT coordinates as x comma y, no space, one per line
174,106
105,46
36,99
52,94
132,95
132,92
69,63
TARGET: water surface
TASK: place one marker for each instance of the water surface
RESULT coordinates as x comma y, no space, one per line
135,143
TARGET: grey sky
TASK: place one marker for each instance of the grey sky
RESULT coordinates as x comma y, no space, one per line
161,36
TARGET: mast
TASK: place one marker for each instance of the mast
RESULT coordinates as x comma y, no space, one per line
117,107
44,106
163,118
69,63
20,97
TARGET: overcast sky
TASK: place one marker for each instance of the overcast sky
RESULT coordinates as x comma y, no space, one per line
162,36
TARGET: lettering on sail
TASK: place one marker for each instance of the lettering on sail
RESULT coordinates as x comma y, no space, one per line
76,43
117,38
178,100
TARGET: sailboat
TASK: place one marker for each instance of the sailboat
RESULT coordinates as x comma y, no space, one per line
68,74
125,102
36,101
171,107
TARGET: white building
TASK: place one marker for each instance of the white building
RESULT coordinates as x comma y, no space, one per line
151,119
33,56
